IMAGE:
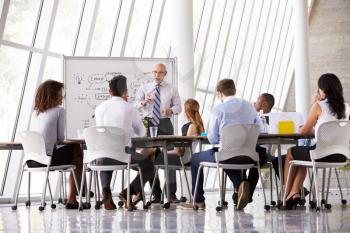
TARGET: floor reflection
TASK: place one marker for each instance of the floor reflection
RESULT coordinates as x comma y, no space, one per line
253,219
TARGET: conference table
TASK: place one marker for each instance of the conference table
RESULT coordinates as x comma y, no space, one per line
168,142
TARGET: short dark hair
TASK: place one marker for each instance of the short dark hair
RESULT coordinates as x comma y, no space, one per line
270,100
226,87
118,85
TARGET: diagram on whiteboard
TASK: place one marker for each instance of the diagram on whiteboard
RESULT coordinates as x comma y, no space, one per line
94,87
87,84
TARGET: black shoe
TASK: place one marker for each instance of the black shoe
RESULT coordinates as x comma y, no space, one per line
72,206
292,202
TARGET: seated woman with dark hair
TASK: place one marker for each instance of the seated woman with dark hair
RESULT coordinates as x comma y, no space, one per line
49,120
328,106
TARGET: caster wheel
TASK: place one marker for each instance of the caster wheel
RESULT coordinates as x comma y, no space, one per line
225,203
328,206
81,208
312,204
343,202
60,200
218,208
120,203
41,208
195,207
145,207
302,202
148,203
27,203
183,199
131,208
53,206
273,203
86,206
161,202
97,207
318,209
323,201
267,207
14,207
166,205
44,203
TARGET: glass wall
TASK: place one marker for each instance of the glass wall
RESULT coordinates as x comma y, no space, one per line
248,41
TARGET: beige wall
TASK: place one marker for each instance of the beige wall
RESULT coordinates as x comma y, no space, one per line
329,45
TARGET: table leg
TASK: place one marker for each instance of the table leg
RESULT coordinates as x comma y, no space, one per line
166,171
280,170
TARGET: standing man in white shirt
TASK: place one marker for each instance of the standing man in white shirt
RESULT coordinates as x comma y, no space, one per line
117,112
158,102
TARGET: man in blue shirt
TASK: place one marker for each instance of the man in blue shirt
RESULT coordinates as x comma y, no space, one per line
230,111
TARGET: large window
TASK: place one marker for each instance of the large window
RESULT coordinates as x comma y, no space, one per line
248,41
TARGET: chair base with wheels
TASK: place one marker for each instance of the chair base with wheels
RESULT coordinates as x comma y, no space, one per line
222,181
179,168
62,169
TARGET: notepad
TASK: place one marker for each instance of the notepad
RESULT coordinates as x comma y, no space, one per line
276,117
285,127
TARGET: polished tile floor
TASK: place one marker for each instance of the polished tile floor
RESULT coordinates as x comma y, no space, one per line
175,219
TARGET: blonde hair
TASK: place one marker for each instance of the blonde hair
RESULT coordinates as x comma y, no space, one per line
192,114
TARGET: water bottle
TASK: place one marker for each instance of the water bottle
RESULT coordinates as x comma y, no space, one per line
263,122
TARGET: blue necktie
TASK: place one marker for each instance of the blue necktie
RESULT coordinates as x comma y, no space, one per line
156,106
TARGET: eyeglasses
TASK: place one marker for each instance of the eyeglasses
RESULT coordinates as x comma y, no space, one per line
158,72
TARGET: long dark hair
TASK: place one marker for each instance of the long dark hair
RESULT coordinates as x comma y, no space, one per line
331,86
48,95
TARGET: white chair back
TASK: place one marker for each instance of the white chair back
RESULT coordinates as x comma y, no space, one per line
34,147
105,142
238,140
332,138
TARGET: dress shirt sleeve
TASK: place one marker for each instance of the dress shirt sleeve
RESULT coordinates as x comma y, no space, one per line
257,120
214,126
137,124
61,124
140,97
175,102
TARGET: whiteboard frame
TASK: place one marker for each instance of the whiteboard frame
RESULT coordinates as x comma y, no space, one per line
174,73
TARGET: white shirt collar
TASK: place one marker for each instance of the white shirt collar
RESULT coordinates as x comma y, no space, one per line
162,84
228,98
117,98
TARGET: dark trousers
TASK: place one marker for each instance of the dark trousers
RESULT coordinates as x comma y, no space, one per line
61,156
253,176
165,127
135,186
234,175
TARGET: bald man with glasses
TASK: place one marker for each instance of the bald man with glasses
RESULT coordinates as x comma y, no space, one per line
159,101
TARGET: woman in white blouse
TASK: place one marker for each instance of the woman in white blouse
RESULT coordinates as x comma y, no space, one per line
48,118
328,106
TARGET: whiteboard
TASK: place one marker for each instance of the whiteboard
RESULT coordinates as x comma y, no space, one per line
86,83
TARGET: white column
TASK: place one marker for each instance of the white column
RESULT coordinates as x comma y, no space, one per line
301,56
182,45
182,48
